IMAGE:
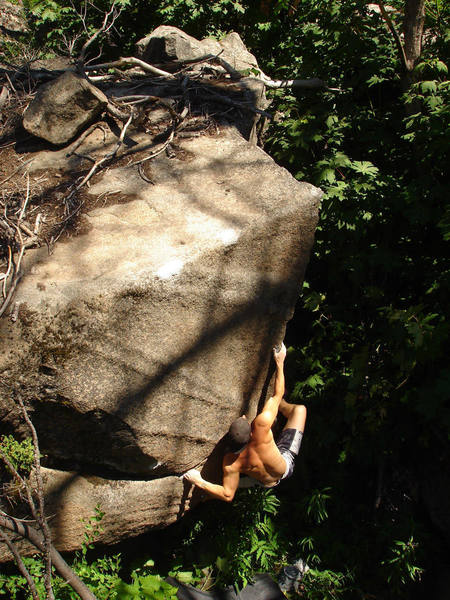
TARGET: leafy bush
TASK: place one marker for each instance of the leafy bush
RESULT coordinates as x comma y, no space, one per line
20,454
230,543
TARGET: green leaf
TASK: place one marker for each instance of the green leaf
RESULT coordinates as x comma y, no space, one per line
441,66
185,576
327,175
364,168
150,583
428,86
126,591
221,563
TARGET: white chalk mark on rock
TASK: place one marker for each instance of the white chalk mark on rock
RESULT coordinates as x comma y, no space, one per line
229,236
173,267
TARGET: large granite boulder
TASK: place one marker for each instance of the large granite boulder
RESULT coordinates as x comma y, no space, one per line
63,107
168,45
141,338
144,337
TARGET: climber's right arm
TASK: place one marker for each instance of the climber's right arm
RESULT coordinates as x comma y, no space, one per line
226,491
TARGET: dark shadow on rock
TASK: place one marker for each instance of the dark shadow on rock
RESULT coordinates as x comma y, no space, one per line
184,505
212,468
265,388
27,143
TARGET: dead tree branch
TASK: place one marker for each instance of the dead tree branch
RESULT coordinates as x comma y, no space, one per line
41,538
32,535
131,60
40,513
395,34
20,564
24,164
108,22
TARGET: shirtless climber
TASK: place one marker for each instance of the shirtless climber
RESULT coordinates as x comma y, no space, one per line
252,450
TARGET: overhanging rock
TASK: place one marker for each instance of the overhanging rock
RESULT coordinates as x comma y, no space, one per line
139,341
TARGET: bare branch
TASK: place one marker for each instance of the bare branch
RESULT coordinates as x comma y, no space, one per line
393,30
108,22
27,162
131,60
36,538
40,494
274,83
20,565
156,152
86,134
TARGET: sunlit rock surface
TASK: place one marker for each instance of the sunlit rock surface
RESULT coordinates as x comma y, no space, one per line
141,339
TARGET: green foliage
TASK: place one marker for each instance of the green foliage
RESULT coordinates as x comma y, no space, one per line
20,454
324,585
92,530
249,542
232,542
151,587
64,27
400,567
316,505
101,575
368,346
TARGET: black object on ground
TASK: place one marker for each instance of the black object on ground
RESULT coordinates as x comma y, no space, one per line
262,588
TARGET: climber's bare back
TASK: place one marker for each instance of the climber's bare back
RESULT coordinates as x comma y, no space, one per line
261,459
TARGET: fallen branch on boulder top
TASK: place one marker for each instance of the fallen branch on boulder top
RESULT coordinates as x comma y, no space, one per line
313,83
131,60
21,166
110,156
221,99
306,84
86,134
14,227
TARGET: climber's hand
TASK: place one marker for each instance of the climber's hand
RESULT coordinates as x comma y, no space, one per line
279,354
193,476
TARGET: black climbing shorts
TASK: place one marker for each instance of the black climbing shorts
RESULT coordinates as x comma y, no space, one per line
289,446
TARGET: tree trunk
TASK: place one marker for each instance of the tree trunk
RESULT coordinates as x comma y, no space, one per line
413,29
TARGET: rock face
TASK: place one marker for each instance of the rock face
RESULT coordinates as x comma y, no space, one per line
153,330
63,107
139,341
169,45
12,19
129,506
